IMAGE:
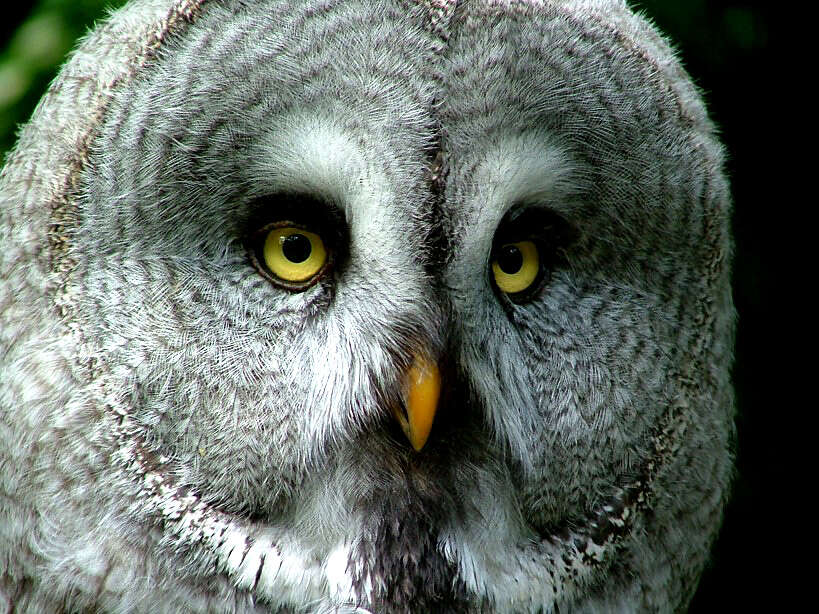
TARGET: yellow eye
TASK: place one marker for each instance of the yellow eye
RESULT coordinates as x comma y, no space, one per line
294,254
516,266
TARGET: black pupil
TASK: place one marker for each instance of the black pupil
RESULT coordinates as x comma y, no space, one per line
510,260
296,248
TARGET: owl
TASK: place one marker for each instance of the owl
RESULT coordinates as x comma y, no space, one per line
389,306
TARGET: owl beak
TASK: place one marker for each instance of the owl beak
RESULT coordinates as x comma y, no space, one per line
423,386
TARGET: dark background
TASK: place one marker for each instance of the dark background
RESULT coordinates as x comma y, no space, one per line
727,47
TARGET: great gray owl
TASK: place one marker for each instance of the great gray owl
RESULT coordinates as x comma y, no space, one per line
385,306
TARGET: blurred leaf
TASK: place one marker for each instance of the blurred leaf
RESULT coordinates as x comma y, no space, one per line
41,42
34,53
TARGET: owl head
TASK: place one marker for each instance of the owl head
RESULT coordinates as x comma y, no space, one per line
386,306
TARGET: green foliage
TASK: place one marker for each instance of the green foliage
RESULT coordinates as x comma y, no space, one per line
29,60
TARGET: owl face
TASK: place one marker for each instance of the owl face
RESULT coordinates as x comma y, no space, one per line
405,309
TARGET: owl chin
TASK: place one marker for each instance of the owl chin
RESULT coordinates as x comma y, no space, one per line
392,530
442,522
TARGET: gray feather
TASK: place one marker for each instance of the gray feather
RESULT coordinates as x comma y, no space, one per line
177,433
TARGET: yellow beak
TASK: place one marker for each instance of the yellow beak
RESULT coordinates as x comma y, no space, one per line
423,388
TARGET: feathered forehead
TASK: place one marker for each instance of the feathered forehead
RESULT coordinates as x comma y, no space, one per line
631,33
54,146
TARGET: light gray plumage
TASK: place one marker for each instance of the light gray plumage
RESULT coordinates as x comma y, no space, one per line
177,433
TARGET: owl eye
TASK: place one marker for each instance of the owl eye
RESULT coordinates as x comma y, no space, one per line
294,254
292,257
530,243
516,267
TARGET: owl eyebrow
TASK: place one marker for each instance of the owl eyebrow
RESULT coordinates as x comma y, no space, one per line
302,208
539,219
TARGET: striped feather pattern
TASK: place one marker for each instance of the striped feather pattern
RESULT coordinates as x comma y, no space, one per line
178,434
